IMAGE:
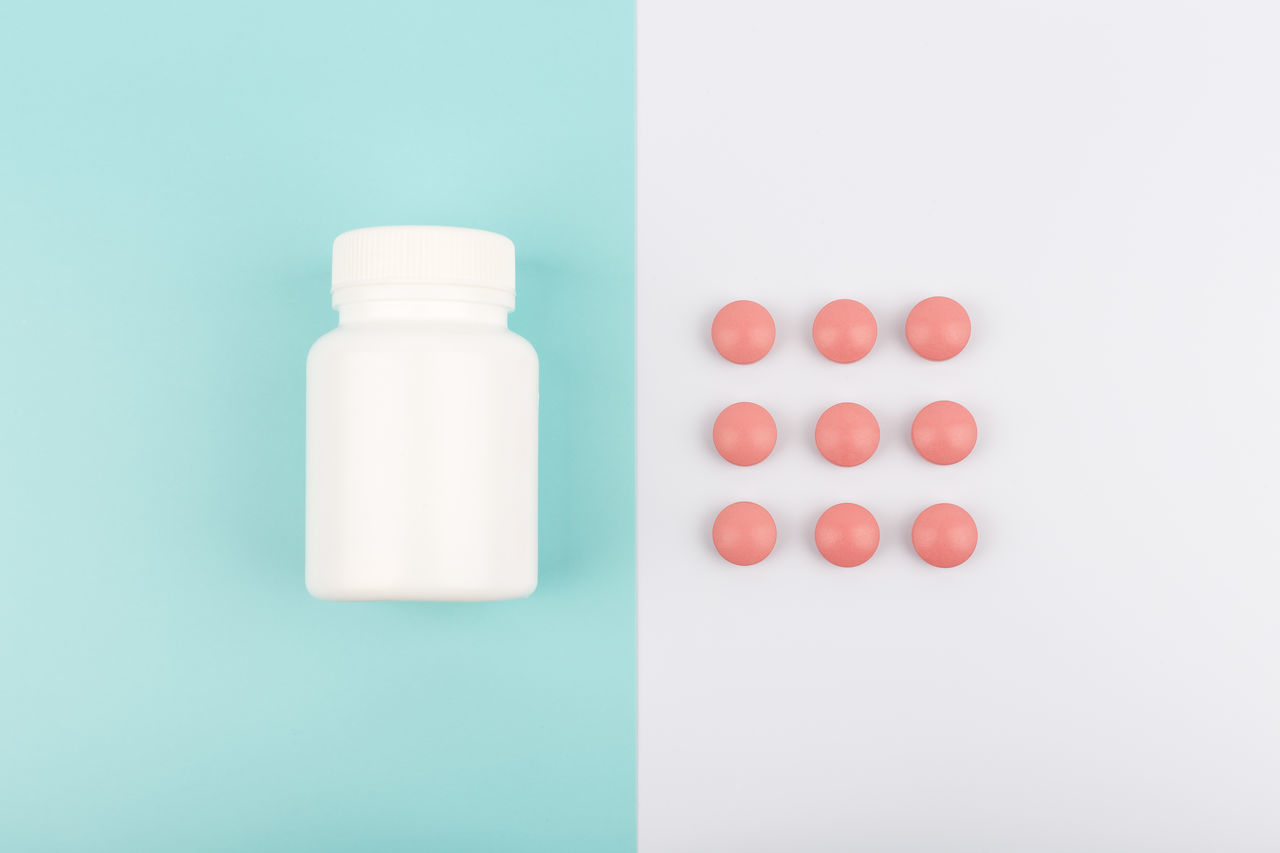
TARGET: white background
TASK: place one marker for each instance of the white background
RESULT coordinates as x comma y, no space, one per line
1098,184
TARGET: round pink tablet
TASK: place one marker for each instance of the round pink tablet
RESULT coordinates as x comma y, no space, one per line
744,433
744,533
847,434
944,432
847,535
844,330
944,535
742,331
938,328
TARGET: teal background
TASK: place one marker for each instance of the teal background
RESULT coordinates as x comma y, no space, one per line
171,178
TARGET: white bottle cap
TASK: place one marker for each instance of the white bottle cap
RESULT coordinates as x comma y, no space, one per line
424,262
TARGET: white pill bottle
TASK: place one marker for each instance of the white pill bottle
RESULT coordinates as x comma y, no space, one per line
422,423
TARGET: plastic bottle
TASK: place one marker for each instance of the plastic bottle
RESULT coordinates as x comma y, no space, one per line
422,420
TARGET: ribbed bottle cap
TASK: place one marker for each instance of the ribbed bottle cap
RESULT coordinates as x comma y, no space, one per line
424,262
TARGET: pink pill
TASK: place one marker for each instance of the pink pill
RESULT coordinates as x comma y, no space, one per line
742,331
938,328
744,433
847,434
844,330
744,533
944,432
944,535
847,535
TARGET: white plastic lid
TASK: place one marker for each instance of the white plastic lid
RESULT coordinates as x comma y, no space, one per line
424,262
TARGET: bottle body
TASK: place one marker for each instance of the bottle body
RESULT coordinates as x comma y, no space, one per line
422,456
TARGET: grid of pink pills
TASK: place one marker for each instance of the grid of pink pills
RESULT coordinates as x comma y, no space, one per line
846,434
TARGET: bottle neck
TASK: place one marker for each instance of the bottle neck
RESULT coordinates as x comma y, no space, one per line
422,311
